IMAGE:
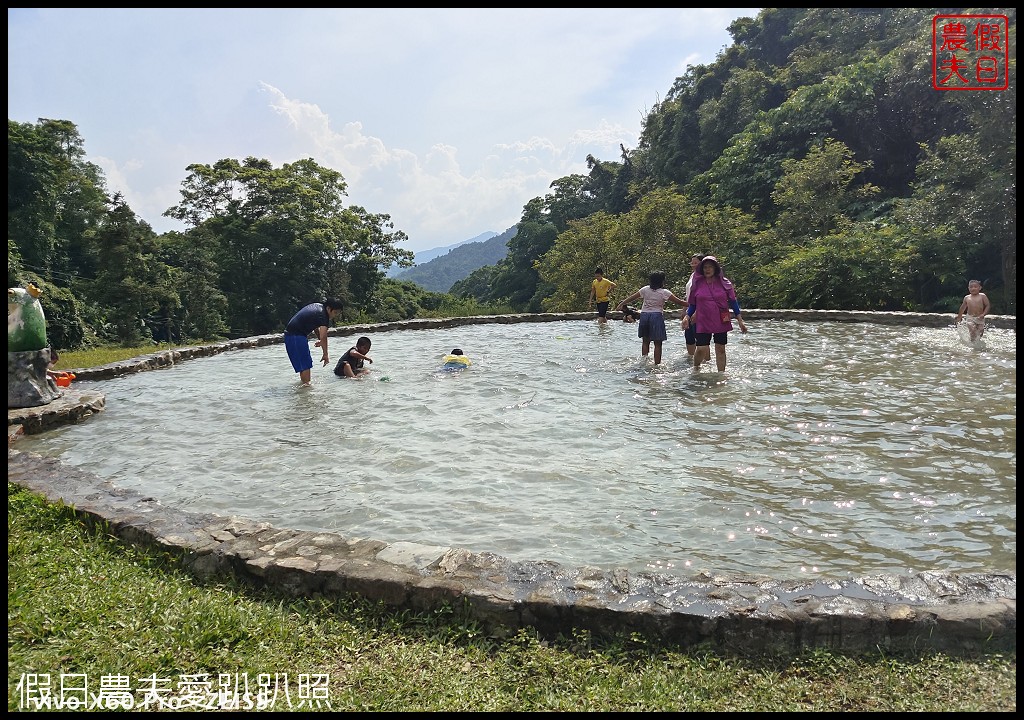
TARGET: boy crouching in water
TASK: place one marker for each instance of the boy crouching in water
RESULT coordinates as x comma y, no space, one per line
351,363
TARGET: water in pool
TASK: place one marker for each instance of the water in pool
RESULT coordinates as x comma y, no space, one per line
825,449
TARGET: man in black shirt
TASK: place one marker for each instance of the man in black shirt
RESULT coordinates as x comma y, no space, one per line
315,317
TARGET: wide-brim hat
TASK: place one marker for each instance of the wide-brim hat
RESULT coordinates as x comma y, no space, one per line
711,259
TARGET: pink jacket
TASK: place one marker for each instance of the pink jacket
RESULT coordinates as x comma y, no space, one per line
711,300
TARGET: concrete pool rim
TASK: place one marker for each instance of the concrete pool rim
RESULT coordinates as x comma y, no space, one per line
943,611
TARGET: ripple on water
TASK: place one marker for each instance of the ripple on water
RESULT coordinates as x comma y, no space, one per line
825,449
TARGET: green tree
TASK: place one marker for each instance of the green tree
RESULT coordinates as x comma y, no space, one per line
746,93
54,196
203,311
816,193
864,267
369,244
514,279
395,300
66,328
576,196
669,152
15,265
964,211
568,267
660,233
284,237
55,200
797,261
476,285
131,282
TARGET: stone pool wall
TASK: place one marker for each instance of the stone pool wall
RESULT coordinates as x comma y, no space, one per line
949,611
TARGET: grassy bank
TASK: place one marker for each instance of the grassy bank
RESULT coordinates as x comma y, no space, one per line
79,601
94,357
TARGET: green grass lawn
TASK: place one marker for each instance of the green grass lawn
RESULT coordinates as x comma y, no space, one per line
81,602
94,357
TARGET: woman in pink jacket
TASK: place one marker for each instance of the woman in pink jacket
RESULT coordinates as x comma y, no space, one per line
710,298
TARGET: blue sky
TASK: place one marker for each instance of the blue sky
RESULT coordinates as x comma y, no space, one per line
448,120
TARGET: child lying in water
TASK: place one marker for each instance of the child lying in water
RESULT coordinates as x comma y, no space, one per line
456,360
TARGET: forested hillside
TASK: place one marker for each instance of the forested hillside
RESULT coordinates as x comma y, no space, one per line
439,274
815,156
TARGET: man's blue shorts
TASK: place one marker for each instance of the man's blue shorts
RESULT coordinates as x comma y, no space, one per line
298,352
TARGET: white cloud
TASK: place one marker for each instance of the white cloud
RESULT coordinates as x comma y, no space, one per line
447,120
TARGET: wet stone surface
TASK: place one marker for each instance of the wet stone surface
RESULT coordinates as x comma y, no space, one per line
952,612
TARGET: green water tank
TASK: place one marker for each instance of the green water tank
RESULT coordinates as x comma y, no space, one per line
26,323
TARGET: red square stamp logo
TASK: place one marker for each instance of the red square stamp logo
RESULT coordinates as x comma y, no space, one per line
970,52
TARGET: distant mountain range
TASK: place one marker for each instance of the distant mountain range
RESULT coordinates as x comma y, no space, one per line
440,268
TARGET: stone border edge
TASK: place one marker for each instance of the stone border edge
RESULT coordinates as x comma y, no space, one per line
949,612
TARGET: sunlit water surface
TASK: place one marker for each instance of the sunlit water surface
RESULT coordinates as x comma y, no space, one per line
826,449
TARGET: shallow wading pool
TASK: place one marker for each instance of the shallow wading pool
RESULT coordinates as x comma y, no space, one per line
825,449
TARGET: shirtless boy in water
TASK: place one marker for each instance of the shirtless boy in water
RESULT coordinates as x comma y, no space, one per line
976,305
